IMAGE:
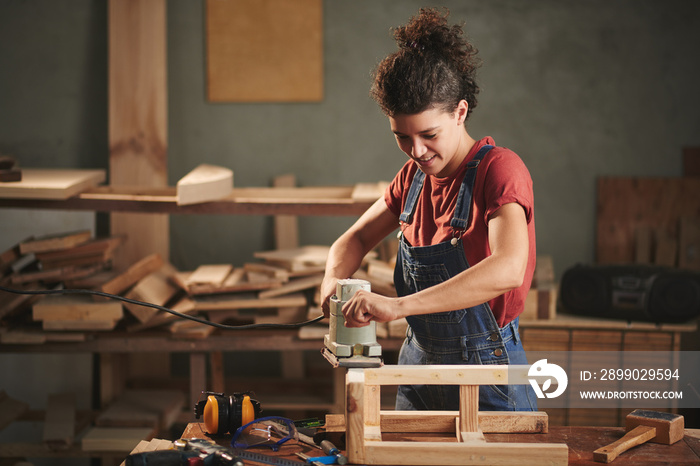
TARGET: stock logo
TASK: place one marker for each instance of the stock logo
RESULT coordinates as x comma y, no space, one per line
542,369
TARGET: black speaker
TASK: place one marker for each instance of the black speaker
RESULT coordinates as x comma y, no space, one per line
631,292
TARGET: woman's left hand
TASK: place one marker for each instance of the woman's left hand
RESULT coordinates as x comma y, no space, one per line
365,307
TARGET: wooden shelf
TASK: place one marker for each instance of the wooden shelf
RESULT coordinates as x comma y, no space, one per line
330,201
126,342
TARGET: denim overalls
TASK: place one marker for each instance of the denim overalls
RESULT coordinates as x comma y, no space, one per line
465,336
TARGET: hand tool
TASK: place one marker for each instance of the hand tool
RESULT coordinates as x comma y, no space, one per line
350,347
187,452
330,449
265,459
316,460
642,426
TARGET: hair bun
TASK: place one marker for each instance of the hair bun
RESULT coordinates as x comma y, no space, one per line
427,31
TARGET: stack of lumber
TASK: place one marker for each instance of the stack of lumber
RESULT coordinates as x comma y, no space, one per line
63,257
278,289
281,286
70,260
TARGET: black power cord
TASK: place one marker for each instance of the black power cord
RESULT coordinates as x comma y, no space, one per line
162,308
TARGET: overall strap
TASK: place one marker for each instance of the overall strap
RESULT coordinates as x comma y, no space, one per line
464,199
413,192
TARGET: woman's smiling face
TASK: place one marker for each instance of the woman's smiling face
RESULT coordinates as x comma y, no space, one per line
434,139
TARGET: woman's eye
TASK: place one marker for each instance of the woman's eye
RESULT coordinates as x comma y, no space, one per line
430,136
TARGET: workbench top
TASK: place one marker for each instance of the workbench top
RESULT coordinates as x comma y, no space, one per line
582,441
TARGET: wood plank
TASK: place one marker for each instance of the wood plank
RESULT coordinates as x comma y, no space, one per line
78,325
426,453
468,420
212,274
115,439
55,242
286,226
76,307
96,247
369,191
56,275
10,409
152,445
13,303
112,374
247,301
38,183
203,184
190,330
143,408
59,425
237,281
264,50
447,374
297,258
293,286
323,201
184,306
444,421
133,274
267,269
155,288
354,416
138,136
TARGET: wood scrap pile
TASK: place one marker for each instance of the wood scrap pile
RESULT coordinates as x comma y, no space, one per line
280,287
67,260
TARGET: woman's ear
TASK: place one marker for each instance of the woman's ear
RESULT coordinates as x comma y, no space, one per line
461,112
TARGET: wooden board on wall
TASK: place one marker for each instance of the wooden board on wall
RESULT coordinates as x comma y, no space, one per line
138,139
626,205
264,50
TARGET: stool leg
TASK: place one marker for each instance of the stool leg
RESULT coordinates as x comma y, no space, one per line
468,420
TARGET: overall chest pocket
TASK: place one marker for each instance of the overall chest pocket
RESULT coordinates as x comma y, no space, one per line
418,277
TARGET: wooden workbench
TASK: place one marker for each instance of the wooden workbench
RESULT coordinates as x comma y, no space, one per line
582,441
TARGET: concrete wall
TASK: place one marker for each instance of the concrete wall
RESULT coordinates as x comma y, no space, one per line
579,89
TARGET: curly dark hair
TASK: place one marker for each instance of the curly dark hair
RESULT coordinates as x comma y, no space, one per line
435,66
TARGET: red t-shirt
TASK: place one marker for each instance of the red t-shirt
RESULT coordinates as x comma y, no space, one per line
501,178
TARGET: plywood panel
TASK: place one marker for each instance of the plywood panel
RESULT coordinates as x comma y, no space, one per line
264,50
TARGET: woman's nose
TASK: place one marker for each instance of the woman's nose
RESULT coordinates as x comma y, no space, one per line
418,149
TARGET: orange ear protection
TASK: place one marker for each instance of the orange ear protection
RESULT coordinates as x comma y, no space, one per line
222,414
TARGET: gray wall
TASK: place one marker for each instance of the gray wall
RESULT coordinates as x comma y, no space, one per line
579,89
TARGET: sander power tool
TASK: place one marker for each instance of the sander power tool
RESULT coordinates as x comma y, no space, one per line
350,347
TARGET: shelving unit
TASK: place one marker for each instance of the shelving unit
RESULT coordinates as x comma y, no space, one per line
331,201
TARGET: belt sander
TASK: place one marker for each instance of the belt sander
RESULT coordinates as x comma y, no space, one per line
350,347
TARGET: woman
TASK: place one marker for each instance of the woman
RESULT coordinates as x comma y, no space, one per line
465,209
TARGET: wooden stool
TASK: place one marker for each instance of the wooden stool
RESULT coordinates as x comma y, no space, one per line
364,419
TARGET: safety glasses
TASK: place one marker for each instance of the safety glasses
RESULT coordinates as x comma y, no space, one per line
271,432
